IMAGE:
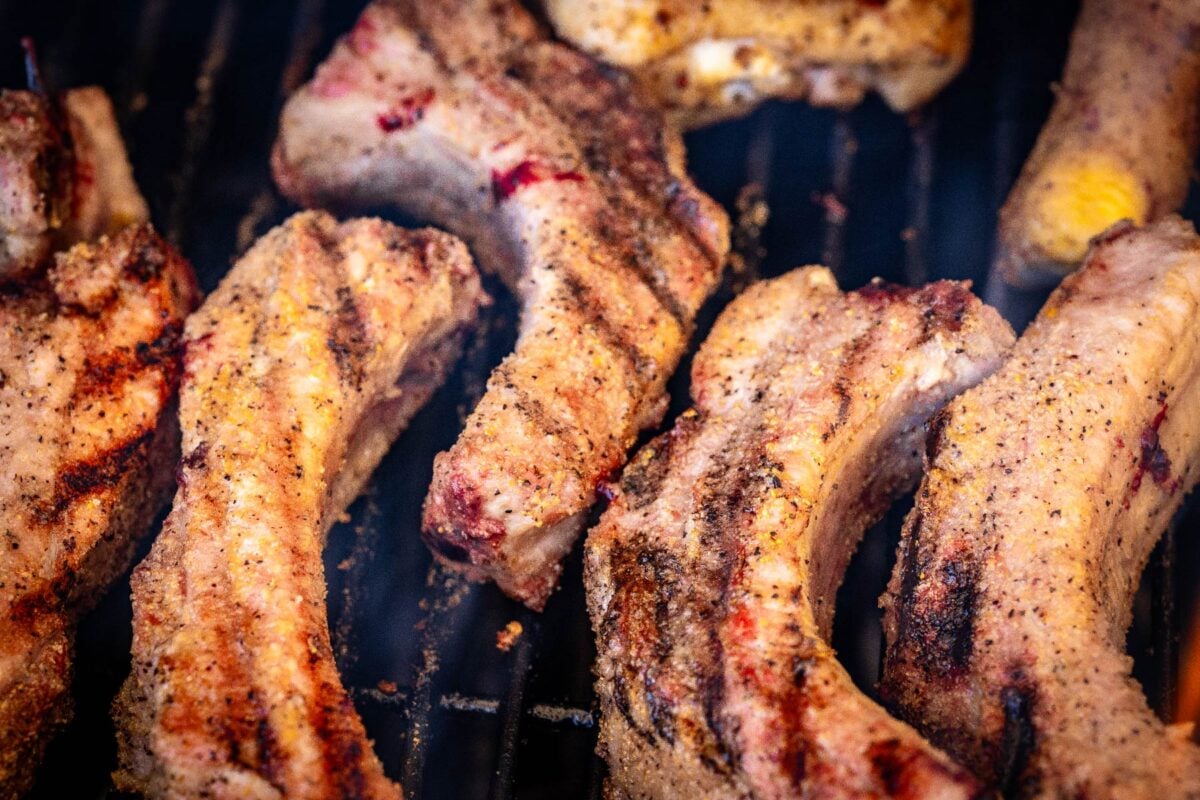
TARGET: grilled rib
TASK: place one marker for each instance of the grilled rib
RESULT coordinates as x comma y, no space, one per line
709,61
457,111
1046,489
88,370
64,176
712,576
1119,143
301,369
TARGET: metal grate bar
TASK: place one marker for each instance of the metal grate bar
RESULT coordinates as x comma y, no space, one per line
132,79
366,537
448,591
842,149
56,57
302,46
513,706
923,132
199,117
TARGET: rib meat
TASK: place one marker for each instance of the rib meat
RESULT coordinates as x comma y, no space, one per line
88,371
301,369
712,576
457,111
1046,489
64,176
709,61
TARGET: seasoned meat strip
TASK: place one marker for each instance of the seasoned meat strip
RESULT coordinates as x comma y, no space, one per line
64,176
301,369
709,61
458,112
712,576
89,364
1119,144
1046,488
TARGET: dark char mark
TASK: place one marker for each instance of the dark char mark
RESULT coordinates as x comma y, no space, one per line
106,468
643,478
628,240
645,579
1018,738
106,372
347,338
940,632
616,340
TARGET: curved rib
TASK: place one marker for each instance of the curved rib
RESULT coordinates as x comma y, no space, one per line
1047,487
456,111
711,578
301,369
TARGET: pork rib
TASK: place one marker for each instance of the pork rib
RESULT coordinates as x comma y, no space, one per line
1046,489
708,61
301,369
458,112
89,365
712,576
64,176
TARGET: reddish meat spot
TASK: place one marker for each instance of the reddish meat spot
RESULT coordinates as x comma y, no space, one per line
946,304
1154,460
194,349
505,184
408,112
84,179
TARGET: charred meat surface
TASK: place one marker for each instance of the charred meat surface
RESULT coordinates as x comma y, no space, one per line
89,365
708,61
1046,488
459,112
1119,143
64,176
711,578
300,371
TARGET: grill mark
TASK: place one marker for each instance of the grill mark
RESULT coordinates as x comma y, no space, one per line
341,755
348,340
910,573
613,161
633,571
642,479
107,372
637,258
955,625
1018,737
535,412
843,380
84,476
590,308
725,496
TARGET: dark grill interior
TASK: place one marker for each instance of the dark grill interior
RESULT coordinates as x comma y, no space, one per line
198,87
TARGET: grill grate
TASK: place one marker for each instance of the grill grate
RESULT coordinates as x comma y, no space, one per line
199,87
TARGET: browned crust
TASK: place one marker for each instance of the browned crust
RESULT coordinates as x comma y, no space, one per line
1046,488
704,62
711,576
108,483
323,340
